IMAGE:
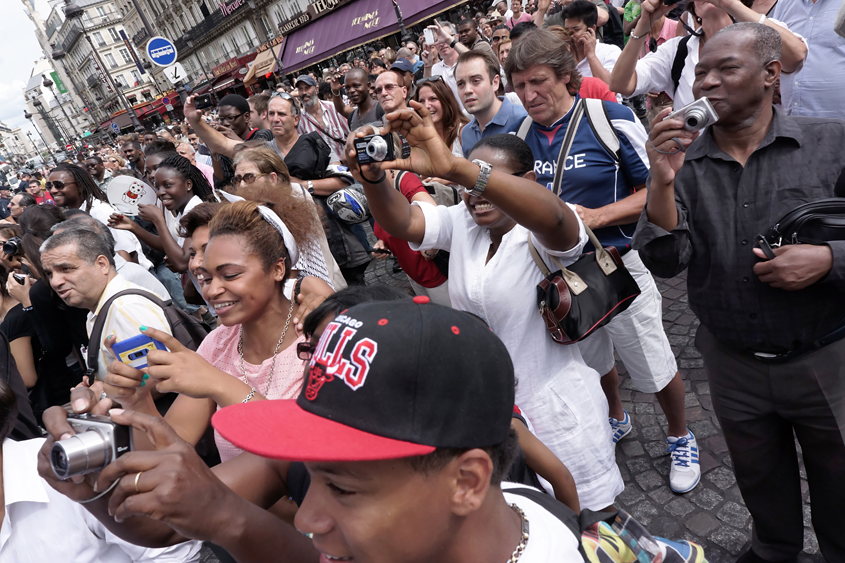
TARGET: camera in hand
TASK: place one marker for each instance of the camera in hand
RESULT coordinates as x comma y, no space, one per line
98,442
696,116
379,148
13,246
204,101
20,278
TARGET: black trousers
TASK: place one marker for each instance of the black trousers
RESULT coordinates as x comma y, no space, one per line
762,408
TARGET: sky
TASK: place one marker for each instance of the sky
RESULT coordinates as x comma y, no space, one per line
18,52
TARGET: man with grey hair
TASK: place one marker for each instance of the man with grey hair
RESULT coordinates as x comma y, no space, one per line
322,117
772,321
133,272
81,269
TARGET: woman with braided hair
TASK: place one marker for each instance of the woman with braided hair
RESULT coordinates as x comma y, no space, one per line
73,187
180,186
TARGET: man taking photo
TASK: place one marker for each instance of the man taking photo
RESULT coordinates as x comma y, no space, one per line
771,329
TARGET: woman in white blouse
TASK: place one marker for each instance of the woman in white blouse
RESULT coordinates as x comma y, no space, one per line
492,275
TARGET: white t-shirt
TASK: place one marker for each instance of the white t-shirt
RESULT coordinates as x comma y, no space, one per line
563,396
172,221
43,525
654,71
549,540
607,56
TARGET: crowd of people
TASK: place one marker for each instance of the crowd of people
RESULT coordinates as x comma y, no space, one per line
288,410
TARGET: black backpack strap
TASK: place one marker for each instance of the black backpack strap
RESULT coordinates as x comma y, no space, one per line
556,508
678,64
96,336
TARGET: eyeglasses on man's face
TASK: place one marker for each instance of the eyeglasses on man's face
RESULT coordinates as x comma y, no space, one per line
386,88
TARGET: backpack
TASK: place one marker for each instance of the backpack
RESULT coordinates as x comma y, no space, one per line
599,121
184,328
613,32
442,194
614,537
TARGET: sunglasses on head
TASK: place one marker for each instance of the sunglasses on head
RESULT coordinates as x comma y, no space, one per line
434,78
282,95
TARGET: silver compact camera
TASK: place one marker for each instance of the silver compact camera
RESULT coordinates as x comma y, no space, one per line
378,148
696,116
98,442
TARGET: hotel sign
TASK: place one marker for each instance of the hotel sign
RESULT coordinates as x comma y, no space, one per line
316,9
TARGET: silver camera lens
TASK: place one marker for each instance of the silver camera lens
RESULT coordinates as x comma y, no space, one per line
377,148
694,118
86,452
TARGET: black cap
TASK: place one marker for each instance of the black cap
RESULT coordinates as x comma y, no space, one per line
388,380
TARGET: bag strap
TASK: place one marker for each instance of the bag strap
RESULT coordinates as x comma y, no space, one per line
602,127
679,63
524,127
566,145
537,260
95,338
323,131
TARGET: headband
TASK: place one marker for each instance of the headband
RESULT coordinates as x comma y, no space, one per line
276,222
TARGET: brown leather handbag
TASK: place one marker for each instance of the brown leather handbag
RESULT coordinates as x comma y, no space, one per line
576,301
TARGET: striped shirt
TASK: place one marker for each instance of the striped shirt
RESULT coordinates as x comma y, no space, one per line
334,125
124,318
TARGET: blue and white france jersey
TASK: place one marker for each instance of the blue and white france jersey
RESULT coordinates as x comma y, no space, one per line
591,176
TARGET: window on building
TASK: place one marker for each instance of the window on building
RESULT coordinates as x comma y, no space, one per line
125,55
98,37
120,79
114,35
204,10
110,60
101,11
136,78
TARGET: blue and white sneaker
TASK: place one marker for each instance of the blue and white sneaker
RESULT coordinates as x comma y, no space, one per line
620,428
685,471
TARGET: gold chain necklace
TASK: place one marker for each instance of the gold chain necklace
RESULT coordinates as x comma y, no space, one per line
275,352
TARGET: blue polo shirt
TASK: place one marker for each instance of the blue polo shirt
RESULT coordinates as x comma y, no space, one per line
591,176
506,120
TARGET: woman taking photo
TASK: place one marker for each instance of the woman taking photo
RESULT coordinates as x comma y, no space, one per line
252,354
493,276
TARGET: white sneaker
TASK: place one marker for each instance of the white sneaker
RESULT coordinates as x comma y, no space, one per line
685,471
620,428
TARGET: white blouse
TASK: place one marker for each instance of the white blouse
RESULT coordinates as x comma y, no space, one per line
560,393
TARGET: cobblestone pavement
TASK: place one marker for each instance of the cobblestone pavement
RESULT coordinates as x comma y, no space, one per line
713,514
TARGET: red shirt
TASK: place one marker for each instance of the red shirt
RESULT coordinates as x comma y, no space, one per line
422,271
592,87
45,198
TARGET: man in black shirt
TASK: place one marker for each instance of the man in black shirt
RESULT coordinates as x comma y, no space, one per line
771,330
363,108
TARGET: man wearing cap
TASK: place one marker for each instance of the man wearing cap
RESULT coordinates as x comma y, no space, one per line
405,69
405,459
321,116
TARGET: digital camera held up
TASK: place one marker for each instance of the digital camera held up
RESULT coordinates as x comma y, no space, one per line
13,247
696,116
380,148
98,442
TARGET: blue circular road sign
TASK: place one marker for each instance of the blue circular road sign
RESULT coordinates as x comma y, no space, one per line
115,128
161,51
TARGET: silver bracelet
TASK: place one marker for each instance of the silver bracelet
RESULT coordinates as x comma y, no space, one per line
632,36
763,19
250,396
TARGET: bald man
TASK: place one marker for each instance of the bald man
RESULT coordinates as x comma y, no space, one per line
364,109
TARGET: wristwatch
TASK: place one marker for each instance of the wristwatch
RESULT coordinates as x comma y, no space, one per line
478,189
454,41
310,187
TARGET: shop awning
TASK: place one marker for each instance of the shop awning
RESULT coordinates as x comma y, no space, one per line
351,26
265,62
223,84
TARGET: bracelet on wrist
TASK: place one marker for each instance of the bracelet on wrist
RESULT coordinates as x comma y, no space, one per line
632,36
336,94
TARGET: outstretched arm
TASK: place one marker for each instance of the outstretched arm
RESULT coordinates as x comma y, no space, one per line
214,140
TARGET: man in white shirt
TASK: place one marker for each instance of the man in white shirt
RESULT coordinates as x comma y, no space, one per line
593,58
82,272
41,524
445,45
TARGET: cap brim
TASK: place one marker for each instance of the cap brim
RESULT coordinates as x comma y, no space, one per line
281,429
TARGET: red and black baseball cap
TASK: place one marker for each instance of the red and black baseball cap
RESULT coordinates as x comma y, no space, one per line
388,380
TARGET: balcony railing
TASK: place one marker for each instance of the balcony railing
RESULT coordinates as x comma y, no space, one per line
94,21
92,81
73,34
202,29
140,39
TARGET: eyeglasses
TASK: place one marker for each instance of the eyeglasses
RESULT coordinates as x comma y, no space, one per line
248,178
92,164
57,184
386,88
496,38
304,350
222,119
434,78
